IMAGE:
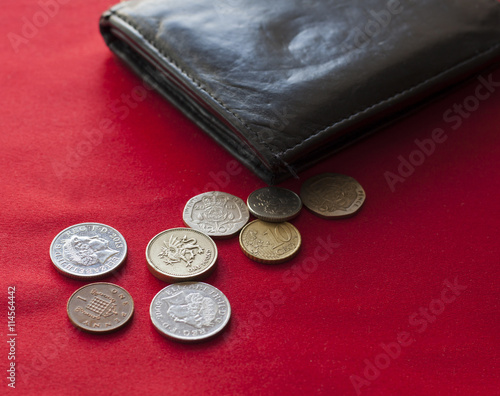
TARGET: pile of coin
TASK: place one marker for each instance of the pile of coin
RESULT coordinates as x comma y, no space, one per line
190,310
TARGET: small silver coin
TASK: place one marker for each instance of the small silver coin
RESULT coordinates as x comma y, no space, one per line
216,213
190,311
88,251
274,204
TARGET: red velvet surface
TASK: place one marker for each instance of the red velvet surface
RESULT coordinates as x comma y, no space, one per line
314,325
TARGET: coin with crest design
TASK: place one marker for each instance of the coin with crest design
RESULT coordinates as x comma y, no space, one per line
331,195
216,213
270,243
100,307
181,254
274,204
88,251
190,311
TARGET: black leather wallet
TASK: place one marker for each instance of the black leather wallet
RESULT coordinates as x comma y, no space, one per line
283,83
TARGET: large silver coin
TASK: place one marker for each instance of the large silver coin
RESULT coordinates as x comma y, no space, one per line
88,251
190,311
181,254
216,213
274,204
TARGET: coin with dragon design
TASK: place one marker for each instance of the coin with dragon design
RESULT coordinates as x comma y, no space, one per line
181,254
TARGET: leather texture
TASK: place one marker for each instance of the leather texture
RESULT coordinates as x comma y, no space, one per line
284,83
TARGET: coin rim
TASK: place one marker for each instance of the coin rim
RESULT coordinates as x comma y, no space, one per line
183,338
275,219
93,276
264,261
330,217
157,273
77,325
216,236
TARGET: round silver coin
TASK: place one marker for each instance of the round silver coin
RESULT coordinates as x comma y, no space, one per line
88,251
274,204
190,311
216,213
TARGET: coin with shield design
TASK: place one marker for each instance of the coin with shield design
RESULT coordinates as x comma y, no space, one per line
100,307
217,214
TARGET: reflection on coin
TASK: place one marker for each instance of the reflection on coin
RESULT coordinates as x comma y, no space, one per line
274,204
215,213
190,311
270,242
331,195
100,307
181,254
88,251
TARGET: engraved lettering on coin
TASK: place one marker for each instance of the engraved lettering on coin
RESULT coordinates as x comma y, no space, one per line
216,213
267,242
88,251
100,307
332,195
190,311
180,249
181,254
274,204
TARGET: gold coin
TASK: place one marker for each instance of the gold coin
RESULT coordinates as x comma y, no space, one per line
100,307
271,243
330,195
181,254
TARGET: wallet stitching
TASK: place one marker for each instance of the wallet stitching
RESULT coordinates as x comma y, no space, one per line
199,85
348,118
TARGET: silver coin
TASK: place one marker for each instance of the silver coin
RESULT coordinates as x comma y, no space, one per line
88,251
216,213
181,254
190,311
274,204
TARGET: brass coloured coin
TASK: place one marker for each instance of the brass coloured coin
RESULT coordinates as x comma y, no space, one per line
181,254
270,243
274,204
331,195
100,307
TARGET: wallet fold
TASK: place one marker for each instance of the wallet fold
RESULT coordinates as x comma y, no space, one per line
284,84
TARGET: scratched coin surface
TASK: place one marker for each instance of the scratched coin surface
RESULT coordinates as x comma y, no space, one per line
332,195
216,213
100,307
270,243
181,254
190,311
88,251
274,204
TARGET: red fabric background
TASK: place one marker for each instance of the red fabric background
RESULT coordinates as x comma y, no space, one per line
336,305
